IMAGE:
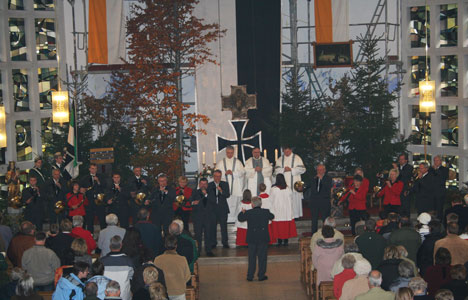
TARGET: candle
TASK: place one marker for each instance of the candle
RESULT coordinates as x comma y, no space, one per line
214,157
264,153
203,158
276,154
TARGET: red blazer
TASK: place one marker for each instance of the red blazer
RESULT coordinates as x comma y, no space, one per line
392,194
358,201
79,232
75,199
187,194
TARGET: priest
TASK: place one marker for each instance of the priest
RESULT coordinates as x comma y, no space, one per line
258,170
292,167
232,171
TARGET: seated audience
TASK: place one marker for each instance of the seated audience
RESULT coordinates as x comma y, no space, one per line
457,285
460,210
79,232
444,295
358,285
21,242
404,257
101,281
464,234
326,252
389,266
419,288
9,290
184,246
60,242
25,289
133,246
41,263
150,275
5,231
70,287
360,225
137,280
425,256
330,221
91,291
80,251
453,243
406,272
438,274
157,291
392,224
113,290
186,235
107,233
371,244
408,237
118,266
150,233
351,249
175,268
375,291
423,225
404,293
348,273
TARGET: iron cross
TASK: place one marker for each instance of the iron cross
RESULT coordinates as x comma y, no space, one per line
239,102
240,141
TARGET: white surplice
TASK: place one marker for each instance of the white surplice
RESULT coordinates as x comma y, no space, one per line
252,176
236,184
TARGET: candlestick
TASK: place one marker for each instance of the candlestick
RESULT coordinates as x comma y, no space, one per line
264,153
214,157
203,158
276,154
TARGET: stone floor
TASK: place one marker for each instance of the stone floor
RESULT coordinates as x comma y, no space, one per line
228,282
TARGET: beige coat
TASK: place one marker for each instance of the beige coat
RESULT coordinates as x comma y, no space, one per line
458,248
356,286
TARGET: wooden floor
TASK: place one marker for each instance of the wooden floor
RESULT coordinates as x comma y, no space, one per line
228,282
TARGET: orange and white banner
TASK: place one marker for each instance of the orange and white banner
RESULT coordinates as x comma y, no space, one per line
331,21
106,37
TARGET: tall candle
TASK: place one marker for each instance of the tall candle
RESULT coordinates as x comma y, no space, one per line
276,154
214,157
203,158
264,153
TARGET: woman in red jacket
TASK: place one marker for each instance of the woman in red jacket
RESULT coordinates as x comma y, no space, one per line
391,192
183,211
357,201
76,201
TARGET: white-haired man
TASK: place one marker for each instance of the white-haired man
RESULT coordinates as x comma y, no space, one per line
258,170
107,233
375,291
359,284
330,221
112,290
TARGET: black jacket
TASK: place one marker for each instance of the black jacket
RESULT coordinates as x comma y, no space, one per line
324,192
55,193
220,201
137,186
424,189
425,256
440,177
389,270
161,204
61,245
205,208
257,224
462,213
406,174
119,198
137,281
97,188
63,173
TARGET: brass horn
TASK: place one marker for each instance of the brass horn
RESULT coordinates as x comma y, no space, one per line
59,207
299,186
99,199
139,198
179,200
16,202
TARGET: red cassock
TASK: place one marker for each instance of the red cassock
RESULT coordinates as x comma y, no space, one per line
187,194
358,200
392,194
270,226
76,199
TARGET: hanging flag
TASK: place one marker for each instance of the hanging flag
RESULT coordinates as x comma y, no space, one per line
71,150
106,36
331,21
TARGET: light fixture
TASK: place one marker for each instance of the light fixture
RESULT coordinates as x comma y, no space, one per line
3,136
60,109
427,103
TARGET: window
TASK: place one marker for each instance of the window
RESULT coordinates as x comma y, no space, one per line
44,5
449,76
16,4
448,25
46,133
18,49
47,79
419,158
46,47
449,125
418,73
23,140
418,126
418,27
20,89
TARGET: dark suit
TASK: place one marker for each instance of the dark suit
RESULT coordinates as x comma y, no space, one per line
54,193
61,245
221,210
119,205
440,177
63,173
162,212
257,238
204,218
406,174
33,211
135,186
319,199
92,209
462,213
424,189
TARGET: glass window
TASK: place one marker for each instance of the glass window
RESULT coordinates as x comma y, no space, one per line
451,162
418,73
16,4
23,140
449,76
17,39
47,79
1,90
46,47
417,26
449,125
46,133
419,158
448,25
44,4
418,126
20,89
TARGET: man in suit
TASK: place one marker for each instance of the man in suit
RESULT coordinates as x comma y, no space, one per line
424,189
116,198
204,216
161,203
318,196
38,172
218,192
406,174
257,237
440,174
32,198
91,185
138,184
55,189
60,165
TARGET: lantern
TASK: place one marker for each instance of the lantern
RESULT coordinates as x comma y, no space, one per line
3,136
427,103
60,109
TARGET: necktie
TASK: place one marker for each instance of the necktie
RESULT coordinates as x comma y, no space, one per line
161,197
204,200
217,193
318,184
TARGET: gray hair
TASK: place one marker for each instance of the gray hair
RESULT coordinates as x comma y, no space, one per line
444,295
348,261
375,278
362,267
257,202
417,284
174,228
115,243
351,248
330,221
425,165
405,269
180,223
113,287
112,219
17,273
77,221
25,286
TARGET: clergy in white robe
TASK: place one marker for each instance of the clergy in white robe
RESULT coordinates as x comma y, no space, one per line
232,171
281,206
292,167
258,170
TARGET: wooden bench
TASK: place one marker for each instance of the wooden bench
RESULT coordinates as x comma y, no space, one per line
325,290
46,295
304,246
190,293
